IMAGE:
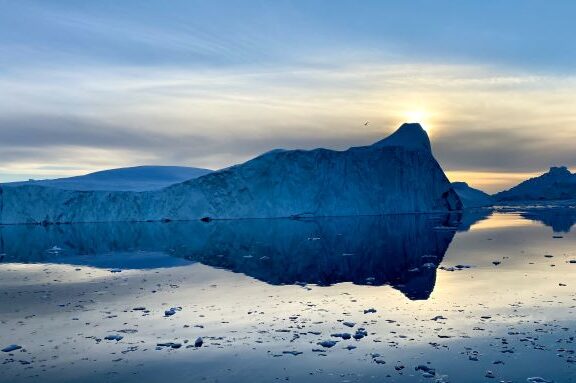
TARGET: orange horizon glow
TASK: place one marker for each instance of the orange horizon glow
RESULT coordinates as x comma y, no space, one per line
490,182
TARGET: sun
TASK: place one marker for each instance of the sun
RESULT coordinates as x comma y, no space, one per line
420,116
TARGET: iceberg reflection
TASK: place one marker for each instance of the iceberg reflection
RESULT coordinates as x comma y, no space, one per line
560,220
399,250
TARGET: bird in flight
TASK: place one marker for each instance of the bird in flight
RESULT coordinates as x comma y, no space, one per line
366,123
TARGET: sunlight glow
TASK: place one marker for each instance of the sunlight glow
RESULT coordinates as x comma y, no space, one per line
420,116
490,181
499,221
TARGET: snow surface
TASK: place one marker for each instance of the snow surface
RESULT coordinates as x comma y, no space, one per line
471,197
557,184
395,175
138,178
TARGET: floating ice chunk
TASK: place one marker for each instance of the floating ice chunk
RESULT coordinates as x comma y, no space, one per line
426,370
117,338
344,335
172,311
327,343
168,344
12,347
370,311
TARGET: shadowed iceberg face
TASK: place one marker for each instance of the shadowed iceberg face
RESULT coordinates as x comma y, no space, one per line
399,250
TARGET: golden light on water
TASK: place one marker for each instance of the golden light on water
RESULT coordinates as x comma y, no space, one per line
499,221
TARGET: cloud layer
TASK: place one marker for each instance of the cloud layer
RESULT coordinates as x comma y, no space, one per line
107,84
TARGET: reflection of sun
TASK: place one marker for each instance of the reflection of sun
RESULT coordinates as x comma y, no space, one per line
419,116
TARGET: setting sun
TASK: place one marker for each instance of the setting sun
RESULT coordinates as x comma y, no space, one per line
420,116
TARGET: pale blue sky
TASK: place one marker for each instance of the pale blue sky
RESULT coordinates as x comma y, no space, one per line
87,85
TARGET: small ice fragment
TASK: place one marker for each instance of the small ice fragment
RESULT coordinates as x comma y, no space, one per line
117,338
327,343
12,347
171,311
426,369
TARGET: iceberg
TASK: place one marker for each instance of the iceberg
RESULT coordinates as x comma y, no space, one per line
555,185
136,178
471,197
398,174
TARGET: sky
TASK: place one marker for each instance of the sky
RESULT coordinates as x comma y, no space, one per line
91,85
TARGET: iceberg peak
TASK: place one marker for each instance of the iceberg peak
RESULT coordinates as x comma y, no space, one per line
409,135
559,171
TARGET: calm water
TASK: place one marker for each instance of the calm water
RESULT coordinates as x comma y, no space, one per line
484,296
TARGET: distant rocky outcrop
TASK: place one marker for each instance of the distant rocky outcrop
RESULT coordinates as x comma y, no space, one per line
471,197
396,175
557,184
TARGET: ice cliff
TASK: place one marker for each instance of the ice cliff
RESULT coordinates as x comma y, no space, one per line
396,175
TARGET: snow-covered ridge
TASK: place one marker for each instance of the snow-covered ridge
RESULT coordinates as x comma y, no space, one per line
138,178
396,175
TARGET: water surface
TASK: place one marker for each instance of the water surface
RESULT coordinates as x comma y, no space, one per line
484,296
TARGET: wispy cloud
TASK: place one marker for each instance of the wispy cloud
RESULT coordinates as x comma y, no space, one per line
481,119
90,85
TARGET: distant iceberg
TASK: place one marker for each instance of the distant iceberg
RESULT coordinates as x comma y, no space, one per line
558,184
470,197
137,178
396,175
